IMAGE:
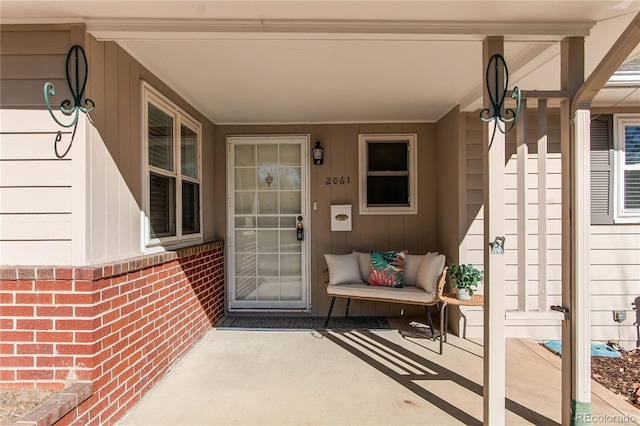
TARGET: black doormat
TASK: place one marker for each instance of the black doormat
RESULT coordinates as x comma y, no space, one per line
306,323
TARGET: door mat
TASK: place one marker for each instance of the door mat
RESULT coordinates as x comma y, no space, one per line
312,323
597,349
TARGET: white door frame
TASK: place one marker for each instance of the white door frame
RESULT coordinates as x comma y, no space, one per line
304,140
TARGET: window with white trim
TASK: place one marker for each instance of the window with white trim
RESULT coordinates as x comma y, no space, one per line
173,169
388,174
626,184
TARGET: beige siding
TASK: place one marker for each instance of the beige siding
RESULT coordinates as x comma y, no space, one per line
474,238
416,233
615,258
36,188
85,208
115,154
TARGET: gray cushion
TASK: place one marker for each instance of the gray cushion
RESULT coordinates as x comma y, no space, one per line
412,264
429,272
364,260
343,268
411,295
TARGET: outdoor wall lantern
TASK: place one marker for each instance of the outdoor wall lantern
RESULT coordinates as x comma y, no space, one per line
77,70
318,153
496,111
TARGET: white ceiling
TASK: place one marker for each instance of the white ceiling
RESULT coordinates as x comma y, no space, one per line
311,61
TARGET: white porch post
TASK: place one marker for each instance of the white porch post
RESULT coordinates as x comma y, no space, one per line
576,218
494,309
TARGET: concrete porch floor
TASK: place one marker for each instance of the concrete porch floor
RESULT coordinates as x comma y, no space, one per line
385,377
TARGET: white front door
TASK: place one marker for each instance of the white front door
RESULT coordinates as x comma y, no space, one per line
268,205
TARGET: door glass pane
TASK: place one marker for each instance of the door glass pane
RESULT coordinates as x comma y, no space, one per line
289,155
267,155
290,289
268,289
245,178
245,265
267,202
189,152
290,202
245,241
268,241
161,201
289,242
268,265
267,222
244,155
290,178
268,178
290,265
288,222
190,208
245,202
246,288
245,222
160,135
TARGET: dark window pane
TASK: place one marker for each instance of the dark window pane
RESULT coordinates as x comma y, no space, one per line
189,151
632,189
161,196
160,138
387,156
387,191
190,208
631,145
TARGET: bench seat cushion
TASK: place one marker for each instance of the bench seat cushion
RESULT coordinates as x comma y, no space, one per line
410,295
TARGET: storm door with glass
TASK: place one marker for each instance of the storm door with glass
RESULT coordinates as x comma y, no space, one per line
268,239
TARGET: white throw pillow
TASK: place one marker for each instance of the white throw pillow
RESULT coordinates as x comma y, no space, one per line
343,268
429,272
364,259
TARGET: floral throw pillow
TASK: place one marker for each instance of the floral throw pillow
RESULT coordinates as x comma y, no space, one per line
386,268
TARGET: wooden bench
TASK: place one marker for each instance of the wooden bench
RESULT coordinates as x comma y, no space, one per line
424,278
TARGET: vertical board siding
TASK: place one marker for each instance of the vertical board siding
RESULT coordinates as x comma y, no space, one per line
416,233
115,156
35,186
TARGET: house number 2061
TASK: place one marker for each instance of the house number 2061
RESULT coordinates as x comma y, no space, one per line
338,180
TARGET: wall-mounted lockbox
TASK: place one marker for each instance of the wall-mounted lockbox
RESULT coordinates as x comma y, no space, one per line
341,217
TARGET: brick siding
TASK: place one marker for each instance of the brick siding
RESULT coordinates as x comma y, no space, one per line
120,326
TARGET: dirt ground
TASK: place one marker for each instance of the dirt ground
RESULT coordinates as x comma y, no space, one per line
15,403
619,375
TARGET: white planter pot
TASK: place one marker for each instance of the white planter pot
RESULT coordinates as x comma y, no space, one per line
463,294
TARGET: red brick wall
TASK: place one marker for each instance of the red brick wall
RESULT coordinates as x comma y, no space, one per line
120,326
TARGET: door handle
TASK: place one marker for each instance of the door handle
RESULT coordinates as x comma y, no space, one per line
299,229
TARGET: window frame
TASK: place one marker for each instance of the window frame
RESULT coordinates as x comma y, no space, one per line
620,214
363,143
180,118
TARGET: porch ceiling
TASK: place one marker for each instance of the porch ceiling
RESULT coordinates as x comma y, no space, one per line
340,61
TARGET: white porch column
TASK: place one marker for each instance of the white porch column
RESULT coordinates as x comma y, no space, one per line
576,218
493,166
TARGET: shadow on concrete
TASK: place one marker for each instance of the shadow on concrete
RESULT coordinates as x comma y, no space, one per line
419,369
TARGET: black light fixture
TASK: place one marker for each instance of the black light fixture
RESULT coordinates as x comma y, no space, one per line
318,153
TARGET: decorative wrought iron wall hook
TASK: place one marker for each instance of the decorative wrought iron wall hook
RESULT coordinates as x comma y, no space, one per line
497,95
77,71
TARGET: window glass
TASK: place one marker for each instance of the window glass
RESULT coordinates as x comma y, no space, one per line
160,128
387,156
388,191
632,145
188,152
190,208
632,189
161,196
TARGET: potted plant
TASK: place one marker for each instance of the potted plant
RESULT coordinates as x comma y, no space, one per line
465,279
